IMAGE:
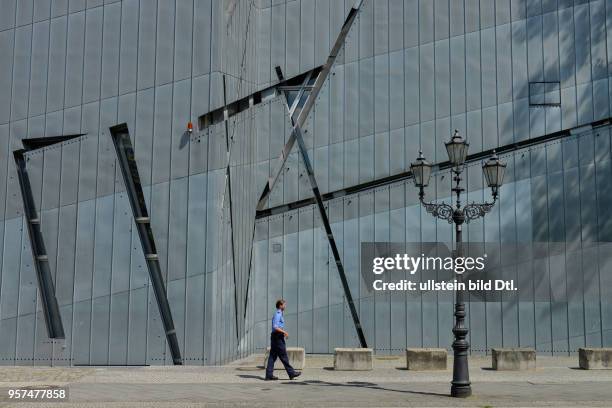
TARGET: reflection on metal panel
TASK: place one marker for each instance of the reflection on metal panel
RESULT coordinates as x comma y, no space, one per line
129,169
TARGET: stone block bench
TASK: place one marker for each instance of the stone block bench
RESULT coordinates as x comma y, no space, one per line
353,359
426,359
514,359
297,358
592,358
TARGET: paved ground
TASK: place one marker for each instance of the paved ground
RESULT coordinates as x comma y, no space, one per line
556,382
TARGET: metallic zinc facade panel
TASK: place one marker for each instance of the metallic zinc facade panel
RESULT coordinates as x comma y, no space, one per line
409,73
81,67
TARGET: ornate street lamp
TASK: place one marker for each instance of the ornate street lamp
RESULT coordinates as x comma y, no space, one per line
493,171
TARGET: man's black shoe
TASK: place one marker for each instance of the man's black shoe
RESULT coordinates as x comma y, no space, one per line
271,378
297,374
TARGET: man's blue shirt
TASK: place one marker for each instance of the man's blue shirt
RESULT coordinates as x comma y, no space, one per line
278,322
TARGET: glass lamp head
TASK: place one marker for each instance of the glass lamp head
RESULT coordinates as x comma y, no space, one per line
457,149
421,170
494,171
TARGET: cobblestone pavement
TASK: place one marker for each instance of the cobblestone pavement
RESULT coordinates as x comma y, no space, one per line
556,382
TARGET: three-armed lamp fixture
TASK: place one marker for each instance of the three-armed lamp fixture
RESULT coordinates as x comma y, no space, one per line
493,170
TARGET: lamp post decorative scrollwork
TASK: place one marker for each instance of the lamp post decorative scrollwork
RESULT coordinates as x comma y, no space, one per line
493,170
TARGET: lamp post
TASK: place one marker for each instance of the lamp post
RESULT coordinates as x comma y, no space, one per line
493,171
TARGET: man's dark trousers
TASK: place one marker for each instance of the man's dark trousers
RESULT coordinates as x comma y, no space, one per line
278,349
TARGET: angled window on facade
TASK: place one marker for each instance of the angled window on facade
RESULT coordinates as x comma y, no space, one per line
129,170
50,306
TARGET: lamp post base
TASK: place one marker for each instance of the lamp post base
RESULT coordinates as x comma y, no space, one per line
461,390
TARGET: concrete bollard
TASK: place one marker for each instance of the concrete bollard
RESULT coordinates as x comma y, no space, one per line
514,359
353,359
593,358
297,358
426,359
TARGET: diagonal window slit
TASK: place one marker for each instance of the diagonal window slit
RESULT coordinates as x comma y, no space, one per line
53,320
127,162
233,108
46,287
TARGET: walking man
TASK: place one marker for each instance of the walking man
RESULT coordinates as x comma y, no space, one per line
277,344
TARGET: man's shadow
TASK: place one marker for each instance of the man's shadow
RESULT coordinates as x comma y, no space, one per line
358,384
252,377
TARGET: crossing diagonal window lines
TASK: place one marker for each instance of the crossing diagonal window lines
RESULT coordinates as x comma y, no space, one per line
316,79
300,94
300,99
291,106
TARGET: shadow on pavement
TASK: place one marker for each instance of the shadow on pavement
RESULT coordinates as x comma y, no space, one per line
359,384
362,384
255,377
